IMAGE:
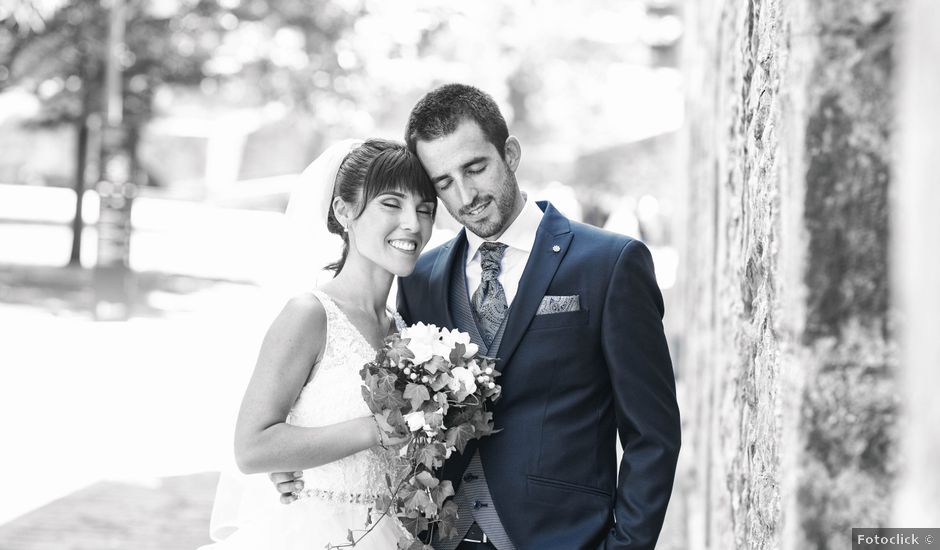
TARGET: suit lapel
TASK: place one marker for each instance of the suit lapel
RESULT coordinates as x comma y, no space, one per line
554,233
440,279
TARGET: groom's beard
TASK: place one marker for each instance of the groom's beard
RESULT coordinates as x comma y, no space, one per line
497,221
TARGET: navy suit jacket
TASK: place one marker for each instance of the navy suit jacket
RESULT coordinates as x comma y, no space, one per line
569,381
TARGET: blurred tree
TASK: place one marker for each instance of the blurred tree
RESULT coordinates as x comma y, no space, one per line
244,51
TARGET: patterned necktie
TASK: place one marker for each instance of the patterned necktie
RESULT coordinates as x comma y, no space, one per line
489,300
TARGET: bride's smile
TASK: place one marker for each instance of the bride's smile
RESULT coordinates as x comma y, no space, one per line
392,230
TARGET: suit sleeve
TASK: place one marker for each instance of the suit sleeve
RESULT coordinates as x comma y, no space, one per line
644,394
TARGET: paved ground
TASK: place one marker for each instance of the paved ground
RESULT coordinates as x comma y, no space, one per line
113,432
170,513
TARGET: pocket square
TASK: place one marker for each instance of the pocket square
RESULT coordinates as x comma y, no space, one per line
559,304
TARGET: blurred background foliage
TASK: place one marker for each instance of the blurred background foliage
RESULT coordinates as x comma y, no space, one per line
264,83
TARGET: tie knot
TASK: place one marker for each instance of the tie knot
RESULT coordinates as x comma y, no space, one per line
491,254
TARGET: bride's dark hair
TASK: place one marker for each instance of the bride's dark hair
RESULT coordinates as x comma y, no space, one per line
375,167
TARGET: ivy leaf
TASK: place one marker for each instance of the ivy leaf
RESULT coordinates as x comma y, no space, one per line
460,415
434,418
382,421
418,394
435,364
482,423
385,381
458,436
461,394
383,502
417,501
441,381
427,480
369,397
431,455
444,491
398,350
456,355
397,421
447,522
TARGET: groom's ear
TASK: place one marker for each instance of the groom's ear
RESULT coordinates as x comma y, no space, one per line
513,152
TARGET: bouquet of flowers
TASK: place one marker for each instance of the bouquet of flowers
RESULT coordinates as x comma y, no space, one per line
431,383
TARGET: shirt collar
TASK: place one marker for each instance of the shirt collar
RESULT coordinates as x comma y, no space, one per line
519,235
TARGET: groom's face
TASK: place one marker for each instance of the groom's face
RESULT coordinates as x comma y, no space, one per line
477,186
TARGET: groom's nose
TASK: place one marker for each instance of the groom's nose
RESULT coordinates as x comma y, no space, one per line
468,193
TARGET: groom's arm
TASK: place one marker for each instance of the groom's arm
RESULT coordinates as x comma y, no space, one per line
644,394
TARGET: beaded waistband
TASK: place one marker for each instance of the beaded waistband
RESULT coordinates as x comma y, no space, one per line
337,496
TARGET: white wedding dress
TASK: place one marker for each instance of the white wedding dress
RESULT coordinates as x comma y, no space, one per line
336,496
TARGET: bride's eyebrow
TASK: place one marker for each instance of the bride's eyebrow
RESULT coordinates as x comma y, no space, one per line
398,194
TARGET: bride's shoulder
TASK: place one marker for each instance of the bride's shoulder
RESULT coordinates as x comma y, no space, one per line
304,313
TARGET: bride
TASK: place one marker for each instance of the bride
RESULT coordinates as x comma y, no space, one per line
303,408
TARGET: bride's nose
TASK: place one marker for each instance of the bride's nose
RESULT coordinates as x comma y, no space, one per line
408,218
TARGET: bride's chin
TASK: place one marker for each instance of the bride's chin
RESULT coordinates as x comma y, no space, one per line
405,271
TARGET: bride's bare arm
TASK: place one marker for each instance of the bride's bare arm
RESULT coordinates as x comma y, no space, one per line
264,442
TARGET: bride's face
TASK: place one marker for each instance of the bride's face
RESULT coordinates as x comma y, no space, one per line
392,230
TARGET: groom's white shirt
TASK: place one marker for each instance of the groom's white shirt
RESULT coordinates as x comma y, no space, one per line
519,238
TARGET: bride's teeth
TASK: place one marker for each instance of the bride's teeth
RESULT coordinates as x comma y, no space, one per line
403,245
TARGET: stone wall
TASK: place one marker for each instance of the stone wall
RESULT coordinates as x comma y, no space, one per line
788,359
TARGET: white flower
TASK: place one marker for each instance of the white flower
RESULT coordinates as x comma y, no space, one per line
465,378
425,342
454,337
415,420
421,341
475,368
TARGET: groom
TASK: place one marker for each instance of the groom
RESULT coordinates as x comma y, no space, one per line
574,316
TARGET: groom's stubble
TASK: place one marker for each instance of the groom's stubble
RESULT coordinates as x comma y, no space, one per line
505,202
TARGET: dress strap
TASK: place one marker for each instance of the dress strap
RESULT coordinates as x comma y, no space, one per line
332,310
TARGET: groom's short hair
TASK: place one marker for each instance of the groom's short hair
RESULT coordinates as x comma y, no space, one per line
440,111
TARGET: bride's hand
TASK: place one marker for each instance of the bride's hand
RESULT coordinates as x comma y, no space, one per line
391,441
288,484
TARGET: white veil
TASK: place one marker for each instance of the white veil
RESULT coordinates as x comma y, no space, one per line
306,247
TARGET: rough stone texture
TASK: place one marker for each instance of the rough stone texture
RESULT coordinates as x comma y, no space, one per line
917,266
788,355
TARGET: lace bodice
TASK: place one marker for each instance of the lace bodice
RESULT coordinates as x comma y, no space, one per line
334,395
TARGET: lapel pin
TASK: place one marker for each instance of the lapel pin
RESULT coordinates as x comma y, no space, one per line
556,248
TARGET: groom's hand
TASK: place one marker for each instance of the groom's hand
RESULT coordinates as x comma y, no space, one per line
287,483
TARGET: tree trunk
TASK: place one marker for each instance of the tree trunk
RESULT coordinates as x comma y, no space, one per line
81,157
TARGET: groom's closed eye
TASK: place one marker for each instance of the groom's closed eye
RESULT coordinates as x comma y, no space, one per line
476,169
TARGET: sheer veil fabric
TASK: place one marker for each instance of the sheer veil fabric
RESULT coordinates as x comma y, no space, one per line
306,246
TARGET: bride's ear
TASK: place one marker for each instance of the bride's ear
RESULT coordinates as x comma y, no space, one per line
342,212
